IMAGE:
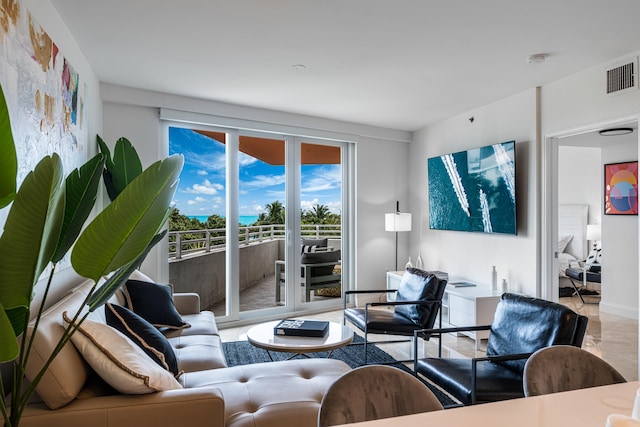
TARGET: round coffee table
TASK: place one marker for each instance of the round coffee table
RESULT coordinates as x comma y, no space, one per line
262,336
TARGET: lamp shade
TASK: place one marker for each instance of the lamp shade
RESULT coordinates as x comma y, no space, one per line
397,221
593,232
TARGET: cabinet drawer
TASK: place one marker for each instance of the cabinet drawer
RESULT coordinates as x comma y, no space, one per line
462,305
457,318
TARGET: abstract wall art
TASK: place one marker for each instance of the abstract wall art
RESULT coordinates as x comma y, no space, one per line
45,96
621,188
44,93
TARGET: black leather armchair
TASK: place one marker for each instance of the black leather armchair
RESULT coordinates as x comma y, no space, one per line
417,305
521,326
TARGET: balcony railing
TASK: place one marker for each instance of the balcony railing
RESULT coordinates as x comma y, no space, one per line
202,241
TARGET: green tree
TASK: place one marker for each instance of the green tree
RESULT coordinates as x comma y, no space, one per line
215,221
179,222
275,212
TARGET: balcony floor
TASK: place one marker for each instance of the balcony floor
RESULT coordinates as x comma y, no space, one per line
260,295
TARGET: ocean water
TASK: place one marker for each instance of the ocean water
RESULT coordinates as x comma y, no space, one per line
244,219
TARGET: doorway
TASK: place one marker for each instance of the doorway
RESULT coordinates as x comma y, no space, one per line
619,236
621,258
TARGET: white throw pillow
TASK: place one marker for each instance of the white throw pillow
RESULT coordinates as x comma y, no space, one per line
118,361
563,242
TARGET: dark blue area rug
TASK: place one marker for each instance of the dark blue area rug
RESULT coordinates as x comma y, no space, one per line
243,353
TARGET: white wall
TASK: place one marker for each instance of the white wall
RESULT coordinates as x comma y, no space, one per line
580,179
580,99
471,255
620,248
381,174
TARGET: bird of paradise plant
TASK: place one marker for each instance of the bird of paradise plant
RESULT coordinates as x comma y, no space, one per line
46,220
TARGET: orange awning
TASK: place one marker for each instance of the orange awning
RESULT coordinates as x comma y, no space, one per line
271,151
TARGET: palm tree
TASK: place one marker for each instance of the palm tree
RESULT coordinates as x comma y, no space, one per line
320,212
275,212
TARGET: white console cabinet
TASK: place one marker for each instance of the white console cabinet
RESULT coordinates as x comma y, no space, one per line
470,306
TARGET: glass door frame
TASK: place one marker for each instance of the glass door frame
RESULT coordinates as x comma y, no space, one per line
293,229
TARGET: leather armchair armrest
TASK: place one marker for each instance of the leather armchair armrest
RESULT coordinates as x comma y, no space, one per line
500,358
393,303
187,302
438,332
202,406
365,291
370,291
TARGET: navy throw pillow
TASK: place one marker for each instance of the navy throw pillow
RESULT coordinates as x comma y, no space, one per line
144,334
154,303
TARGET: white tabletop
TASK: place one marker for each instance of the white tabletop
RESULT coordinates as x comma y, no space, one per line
262,336
586,407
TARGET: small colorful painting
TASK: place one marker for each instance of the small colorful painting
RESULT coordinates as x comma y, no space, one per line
621,188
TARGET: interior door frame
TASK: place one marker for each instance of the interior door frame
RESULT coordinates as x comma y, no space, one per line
549,200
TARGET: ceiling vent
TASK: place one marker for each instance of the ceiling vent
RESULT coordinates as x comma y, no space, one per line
622,78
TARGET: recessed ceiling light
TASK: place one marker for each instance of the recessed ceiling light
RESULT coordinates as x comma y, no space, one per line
616,131
538,58
298,67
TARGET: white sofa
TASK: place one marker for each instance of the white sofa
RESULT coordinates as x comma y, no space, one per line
278,394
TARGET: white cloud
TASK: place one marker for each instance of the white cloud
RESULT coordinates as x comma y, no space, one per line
264,181
207,187
306,205
196,201
202,172
245,159
325,178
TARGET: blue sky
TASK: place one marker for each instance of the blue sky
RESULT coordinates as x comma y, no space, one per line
202,183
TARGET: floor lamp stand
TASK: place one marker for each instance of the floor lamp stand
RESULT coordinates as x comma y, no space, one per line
396,251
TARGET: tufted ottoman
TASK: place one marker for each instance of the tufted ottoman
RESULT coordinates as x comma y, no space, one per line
279,394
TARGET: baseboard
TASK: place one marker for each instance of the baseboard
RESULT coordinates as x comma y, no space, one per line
619,310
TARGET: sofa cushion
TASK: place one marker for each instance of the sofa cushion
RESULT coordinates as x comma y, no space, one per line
144,335
153,302
320,243
68,372
203,323
198,352
285,393
118,361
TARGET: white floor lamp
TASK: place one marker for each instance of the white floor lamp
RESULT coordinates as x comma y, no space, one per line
397,221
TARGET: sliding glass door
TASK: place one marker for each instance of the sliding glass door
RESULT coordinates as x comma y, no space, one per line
258,228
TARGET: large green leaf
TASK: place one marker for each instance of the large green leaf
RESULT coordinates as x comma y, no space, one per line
81,192
117,279
30,235
126,165
104,149
9,348
108,167
121,232
8,159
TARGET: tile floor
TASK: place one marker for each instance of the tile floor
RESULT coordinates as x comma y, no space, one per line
611,337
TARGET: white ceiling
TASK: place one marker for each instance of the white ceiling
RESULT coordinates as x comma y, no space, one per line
397,64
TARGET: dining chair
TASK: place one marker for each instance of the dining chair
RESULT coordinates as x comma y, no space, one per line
374,392
564,368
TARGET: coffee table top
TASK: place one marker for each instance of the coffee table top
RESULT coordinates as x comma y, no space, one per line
262,336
